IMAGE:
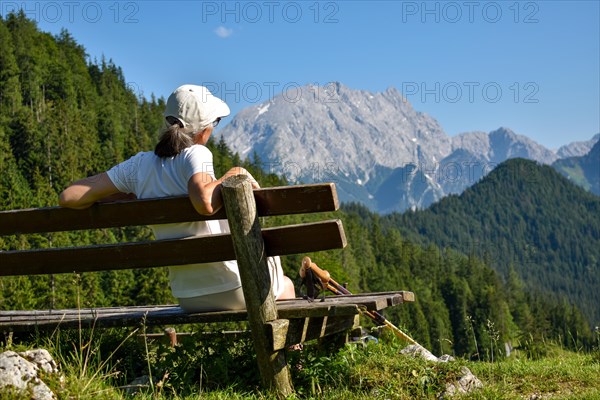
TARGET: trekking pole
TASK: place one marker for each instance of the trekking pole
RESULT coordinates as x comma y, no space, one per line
337,289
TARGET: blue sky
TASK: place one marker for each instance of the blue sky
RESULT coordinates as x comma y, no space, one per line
532,66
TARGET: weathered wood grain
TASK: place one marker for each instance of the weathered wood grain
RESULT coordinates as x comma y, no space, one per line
284,200
291,239
338,306
251,257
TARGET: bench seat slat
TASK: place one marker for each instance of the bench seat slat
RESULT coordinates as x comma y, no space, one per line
291,239
283,200
27,320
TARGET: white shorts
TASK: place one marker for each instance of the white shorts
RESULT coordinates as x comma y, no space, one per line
233,299
229,300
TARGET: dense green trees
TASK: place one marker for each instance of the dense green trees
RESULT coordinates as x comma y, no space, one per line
63,117
461,306
530,223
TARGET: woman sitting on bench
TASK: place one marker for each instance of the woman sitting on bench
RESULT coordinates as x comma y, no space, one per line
181,164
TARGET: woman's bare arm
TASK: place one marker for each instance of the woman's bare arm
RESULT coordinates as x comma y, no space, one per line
87,191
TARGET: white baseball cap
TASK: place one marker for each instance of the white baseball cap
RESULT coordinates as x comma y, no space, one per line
195,106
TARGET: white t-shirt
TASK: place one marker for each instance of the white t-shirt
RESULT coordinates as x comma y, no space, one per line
149,176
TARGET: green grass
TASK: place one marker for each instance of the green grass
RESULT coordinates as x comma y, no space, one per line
559,375
223,369
576,174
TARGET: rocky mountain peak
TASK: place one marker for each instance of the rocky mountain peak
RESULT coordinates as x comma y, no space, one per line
577,149
378,149
336,128
507,144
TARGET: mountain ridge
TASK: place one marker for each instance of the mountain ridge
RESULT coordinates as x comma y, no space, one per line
578,148
366,141
583,170
526,216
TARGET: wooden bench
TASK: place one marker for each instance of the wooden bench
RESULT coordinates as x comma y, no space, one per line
274,325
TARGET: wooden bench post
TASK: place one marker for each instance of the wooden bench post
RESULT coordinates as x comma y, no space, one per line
256,282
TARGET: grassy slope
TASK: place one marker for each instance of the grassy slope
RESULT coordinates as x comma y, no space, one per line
375,372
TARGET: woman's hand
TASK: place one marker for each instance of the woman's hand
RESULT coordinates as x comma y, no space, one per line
241,171
205,192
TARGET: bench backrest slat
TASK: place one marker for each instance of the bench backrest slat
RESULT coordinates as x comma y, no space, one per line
274,201
291,239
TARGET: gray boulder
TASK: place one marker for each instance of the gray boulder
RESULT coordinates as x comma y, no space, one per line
466,383
20,372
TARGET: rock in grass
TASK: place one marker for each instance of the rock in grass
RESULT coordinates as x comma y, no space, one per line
419,351
465,384
42,359
18,373
138,385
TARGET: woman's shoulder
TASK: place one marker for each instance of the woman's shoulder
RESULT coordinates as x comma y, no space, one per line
138,158
143,154
142,157
196,150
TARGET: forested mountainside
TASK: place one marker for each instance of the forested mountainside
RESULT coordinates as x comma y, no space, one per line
583,170
63,116
528,218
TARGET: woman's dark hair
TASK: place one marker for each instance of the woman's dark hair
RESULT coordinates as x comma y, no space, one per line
173,139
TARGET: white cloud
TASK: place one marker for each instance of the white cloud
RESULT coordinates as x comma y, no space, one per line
223,32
